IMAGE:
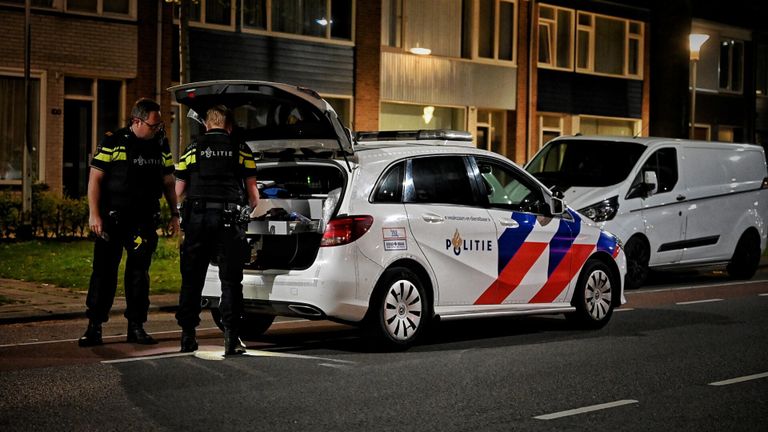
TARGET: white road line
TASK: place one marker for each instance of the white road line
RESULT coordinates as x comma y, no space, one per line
699,301
587,409
643,291
763,295
154,357
275,324
740,379
217,353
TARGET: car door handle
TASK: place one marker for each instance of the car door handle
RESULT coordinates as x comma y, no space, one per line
680,197
511,223
432,218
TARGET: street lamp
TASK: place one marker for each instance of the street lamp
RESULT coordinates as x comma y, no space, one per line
696,40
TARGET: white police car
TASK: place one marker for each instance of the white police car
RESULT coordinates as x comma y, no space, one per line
392,230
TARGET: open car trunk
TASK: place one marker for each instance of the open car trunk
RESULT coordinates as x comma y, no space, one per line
297,200
295,136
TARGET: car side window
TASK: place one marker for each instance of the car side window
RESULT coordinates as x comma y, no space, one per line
664,163
390,187
439,180
506,188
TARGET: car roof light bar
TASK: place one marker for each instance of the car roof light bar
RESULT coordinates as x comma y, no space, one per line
411,135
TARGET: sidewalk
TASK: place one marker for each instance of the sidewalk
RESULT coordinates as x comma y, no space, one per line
32,301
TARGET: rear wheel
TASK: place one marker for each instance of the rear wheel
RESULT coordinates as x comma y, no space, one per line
638,254
593,298
745,258
251,325
400,309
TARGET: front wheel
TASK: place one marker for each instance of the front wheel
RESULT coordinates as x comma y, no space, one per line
400,309
638,255
251,325
593,298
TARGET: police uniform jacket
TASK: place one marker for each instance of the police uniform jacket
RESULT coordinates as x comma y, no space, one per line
134,171
215,168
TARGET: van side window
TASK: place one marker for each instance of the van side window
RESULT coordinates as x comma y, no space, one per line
390,187
664,163
506,188
439,180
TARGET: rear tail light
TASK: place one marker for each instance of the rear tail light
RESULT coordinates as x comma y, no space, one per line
345,230
765,183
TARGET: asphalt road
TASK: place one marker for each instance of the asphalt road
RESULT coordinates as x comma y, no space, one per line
680,357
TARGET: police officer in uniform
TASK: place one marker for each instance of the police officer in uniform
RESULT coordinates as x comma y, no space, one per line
131,170
216,174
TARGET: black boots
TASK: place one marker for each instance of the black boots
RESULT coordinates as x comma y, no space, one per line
232,344
136,334
188,340
92,336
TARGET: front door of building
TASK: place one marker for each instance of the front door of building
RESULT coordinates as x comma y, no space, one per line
78,136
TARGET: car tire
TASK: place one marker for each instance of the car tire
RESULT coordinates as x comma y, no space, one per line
594,296
400,309
746,257
638,255
251,325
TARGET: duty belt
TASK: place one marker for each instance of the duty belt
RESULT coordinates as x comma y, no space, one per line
213,205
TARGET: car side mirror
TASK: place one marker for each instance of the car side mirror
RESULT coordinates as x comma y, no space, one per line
651,182
556,206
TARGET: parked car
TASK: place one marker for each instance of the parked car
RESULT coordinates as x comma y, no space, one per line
393,230
674,203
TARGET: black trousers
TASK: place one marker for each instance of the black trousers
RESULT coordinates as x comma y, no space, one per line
140,243
205,237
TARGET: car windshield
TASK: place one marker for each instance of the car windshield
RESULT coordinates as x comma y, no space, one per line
566,163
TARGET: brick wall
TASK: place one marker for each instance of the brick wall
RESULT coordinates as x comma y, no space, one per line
367,65
66,45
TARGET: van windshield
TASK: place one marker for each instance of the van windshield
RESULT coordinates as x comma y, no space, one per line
566,163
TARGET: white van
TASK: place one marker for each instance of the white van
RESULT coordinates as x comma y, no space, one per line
674,203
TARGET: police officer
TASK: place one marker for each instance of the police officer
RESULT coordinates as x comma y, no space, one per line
131,170
216,174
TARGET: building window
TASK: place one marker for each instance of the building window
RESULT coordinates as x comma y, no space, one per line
761,78
731,65
326,19
35,3
397,116
550,127
490,135
609,46
210,13
555,37
589,125
100,7
496,30
12,128
391,22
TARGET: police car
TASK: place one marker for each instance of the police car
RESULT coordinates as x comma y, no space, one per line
395,230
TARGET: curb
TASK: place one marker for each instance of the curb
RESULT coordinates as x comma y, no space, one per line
54,316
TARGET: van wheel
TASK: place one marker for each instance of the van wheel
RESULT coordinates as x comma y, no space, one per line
593,298
745,258
638,254
251,325
400,308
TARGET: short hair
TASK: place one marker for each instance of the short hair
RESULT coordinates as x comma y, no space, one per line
218,116
143,107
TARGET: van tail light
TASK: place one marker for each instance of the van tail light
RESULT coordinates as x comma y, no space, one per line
344,230
765,183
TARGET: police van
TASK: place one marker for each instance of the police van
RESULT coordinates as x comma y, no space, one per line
394,230
674,203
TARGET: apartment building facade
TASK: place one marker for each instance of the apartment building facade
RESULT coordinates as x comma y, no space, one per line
515,73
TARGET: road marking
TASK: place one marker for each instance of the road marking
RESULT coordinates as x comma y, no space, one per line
763,295
587,409
154,357
624,309
122,336
740,379
699,301
643,291
216,353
